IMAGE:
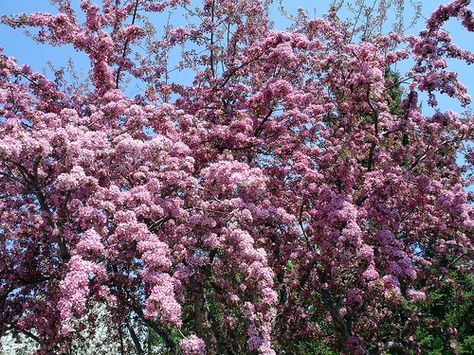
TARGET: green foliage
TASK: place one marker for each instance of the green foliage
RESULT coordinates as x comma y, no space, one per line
448,317
395,91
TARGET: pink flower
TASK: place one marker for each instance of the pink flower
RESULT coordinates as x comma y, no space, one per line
193,345
416,296
90,242
161,303
371,274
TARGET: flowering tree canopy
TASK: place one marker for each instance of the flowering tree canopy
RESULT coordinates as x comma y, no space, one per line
291,198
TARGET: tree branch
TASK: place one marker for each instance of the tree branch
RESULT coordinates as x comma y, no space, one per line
125,46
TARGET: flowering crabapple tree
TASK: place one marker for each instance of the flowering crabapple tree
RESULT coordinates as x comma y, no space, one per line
291,198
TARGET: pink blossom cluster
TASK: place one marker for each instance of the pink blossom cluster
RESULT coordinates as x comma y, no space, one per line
193,346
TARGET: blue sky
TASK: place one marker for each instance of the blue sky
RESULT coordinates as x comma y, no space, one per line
16,43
